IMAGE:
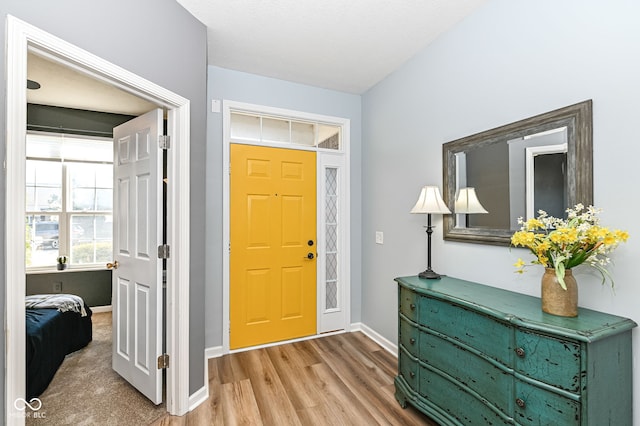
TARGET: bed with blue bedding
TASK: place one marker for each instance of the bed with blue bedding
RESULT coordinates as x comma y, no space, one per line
56,325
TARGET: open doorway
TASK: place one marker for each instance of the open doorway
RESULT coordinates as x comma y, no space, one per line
23,37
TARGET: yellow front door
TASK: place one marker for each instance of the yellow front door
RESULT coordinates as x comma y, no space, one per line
273,245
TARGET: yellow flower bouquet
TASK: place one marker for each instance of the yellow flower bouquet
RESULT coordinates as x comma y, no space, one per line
565,243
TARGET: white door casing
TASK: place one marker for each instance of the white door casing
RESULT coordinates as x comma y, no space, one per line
21,37
329,319
137,278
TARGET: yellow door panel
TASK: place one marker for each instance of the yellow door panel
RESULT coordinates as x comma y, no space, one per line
272,219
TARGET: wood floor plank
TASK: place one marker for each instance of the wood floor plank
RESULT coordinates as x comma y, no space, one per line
306,353
213,407
293,374
240,406
231,369
358,378
268,389
344,402
343,379
319,415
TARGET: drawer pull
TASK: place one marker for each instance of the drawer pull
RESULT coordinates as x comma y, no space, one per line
520,352
520,402
412,341
412,374
412,306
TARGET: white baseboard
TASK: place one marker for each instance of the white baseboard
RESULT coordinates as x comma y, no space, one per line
98,309
217,351
376,337
200,396
213,352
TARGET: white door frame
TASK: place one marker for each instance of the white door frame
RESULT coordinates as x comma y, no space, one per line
21,37
530,154
325,158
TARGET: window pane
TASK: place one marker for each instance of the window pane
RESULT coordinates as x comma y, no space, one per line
83,199
104,199
44,186
104,176
328,136
245,127
69,147
275,130
91,239
303,133
42,240
91,186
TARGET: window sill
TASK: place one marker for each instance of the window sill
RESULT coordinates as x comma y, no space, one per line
52,269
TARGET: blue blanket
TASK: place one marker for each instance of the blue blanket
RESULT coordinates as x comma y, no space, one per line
51,335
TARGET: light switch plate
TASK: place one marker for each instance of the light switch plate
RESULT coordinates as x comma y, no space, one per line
379,237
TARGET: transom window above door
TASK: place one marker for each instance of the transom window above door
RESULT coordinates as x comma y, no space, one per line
69,200
251,127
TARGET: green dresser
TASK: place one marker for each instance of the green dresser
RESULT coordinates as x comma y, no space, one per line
470,354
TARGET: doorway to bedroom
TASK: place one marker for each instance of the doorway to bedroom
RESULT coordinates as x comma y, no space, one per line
69,218
23,39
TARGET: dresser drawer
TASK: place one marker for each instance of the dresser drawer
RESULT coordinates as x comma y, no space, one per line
535,406
409,337
548,359
408,368
471,370
409,303
479,331
456,401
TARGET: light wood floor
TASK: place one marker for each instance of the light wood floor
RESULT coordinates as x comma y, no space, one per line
345,379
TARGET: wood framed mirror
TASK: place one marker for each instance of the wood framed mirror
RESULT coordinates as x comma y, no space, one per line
543,162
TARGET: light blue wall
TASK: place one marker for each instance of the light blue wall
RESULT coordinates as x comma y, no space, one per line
242,87
167,47
508,61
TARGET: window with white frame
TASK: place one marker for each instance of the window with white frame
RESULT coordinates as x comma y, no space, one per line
69,200
253,127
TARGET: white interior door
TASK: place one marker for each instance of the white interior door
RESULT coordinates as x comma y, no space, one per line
137,277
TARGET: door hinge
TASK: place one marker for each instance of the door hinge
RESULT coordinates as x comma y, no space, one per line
163,361
164,141
163,251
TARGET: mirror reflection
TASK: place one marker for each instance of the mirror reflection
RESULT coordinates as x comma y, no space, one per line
540,163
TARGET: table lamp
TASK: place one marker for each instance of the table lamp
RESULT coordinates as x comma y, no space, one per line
430,201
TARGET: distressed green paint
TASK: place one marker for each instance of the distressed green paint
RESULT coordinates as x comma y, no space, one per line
473,354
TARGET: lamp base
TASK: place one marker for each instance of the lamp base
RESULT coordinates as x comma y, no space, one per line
430,275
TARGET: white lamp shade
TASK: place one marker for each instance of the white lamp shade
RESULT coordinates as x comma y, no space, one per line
430,201
467,202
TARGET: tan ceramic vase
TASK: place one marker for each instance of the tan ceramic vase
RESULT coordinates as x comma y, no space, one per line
556,300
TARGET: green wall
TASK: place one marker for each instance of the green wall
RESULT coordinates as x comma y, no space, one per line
93,286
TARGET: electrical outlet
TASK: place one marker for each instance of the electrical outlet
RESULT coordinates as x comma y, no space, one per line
379,237
57,287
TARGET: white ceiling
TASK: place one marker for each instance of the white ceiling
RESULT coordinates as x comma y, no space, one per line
345,45
62,86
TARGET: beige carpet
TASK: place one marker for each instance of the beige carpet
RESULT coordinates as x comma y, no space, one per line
86,391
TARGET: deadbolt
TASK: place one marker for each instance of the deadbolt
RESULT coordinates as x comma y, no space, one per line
310,243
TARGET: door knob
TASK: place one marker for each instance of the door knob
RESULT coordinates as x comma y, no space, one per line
310,256
113,265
